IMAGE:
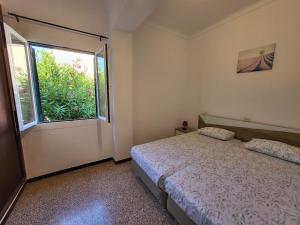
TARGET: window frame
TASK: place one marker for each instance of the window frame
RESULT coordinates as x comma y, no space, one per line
103,52
8,36
36,82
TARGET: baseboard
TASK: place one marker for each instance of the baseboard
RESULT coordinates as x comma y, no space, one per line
68,170
11,203
76,168
122,160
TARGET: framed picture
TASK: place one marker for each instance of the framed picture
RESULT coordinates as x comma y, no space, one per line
258,59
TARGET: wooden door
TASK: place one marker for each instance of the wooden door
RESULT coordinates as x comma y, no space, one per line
12,175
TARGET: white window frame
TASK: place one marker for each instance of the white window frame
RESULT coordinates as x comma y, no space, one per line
103,52
8,32
22,127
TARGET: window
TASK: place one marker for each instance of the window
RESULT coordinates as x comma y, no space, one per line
21,78
102,81
62,84
66,83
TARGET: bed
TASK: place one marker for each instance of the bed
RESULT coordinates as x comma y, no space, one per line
201,180
155,161
239,186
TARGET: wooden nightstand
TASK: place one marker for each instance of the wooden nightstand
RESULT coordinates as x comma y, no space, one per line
180,131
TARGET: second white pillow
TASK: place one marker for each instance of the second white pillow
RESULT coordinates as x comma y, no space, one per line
217,133
275,148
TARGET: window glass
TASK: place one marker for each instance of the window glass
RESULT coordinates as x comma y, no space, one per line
101,84
21,78
66,84
22,81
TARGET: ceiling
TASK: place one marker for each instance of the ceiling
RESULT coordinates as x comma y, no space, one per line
190,16
127,15
184,16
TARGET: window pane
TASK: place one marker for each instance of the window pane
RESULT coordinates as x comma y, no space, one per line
101,85
66,84
22,78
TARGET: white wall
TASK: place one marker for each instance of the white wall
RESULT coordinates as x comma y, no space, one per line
57,146
159,73
52,147
122,93
214,86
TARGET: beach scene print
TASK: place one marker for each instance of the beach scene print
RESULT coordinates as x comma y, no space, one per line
258,59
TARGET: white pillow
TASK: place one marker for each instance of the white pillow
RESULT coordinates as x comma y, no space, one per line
275,148
217,133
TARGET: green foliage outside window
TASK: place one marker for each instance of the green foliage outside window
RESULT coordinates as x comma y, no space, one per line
25,95
65,92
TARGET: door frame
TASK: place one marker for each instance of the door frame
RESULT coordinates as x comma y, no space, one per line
5,70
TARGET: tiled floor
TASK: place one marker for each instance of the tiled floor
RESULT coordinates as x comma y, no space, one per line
105,194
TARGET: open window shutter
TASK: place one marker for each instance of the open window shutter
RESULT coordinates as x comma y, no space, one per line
17,48
102,87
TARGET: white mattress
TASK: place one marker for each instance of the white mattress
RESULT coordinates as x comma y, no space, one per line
162,158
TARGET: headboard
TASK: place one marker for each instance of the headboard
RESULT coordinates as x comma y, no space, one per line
246,134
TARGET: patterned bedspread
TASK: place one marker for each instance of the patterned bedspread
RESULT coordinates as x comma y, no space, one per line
237,186
162,158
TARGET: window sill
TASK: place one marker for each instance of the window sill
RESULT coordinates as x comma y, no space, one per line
64,125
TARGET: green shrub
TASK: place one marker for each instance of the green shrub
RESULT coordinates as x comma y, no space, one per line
65,93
